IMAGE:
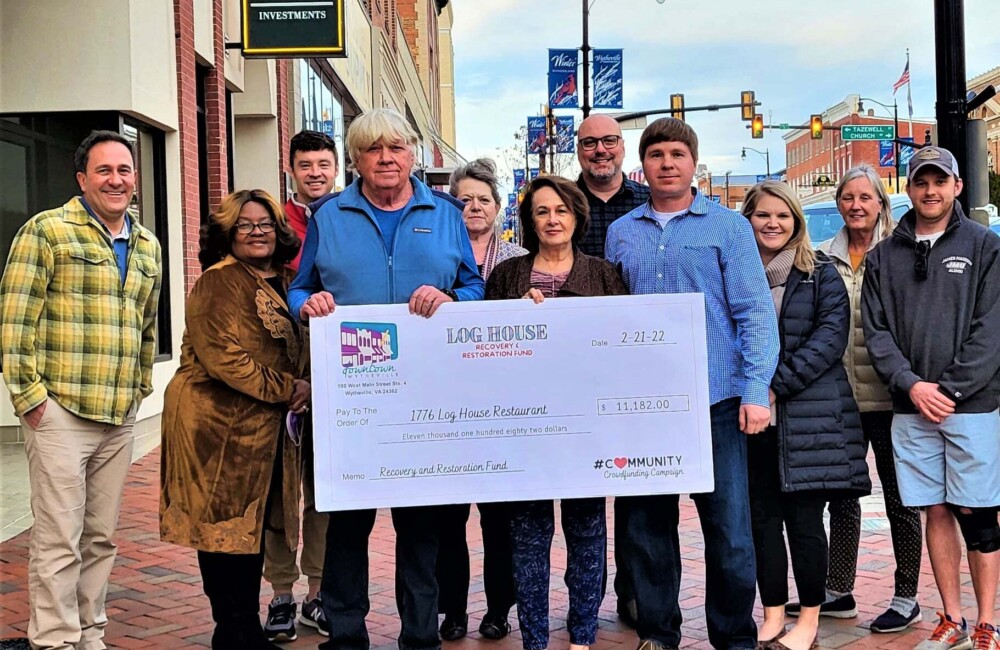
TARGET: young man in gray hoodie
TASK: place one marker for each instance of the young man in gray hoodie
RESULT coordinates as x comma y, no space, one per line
931,313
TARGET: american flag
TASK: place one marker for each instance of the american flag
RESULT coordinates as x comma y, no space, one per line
903,79
637,175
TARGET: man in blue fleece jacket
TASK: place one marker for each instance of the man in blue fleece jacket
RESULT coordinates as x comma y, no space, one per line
387,238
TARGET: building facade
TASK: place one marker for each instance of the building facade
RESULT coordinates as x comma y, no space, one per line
990,111
169,74
813,164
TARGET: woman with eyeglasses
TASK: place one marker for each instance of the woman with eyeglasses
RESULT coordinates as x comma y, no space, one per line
228,469
864,205
813,449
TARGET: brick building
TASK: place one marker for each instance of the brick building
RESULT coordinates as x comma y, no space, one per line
169,74
806,159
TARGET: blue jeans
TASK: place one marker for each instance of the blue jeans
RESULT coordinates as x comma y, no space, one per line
653,555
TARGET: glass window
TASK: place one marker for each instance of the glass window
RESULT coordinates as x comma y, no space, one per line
322,111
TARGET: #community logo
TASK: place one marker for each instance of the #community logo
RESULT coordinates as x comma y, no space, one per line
366,344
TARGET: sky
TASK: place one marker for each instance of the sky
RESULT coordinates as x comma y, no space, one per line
800,57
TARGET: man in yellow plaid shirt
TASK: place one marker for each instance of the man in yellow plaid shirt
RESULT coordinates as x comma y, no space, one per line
77,321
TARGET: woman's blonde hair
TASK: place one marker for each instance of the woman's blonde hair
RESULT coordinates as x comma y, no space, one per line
805,256
867,171
380,124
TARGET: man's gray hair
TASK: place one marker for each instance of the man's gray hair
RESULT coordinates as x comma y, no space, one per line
380,124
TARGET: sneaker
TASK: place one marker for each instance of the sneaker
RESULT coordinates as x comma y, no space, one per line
313,616
280,625
892,620
948,635
652,644
985,637
843,607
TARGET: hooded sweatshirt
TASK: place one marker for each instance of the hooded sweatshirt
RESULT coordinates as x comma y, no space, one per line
943,329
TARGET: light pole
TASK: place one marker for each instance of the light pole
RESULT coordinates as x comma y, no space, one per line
727,187
766,155
585,48
895,119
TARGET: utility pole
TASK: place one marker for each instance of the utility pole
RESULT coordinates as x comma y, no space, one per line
727,188
951,110
586,59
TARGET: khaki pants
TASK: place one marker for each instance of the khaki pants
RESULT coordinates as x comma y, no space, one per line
77,471
279,562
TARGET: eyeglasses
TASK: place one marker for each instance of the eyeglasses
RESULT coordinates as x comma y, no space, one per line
245,227
609,142
923,251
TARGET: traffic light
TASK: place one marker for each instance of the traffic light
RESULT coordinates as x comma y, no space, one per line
816,127
757,127
677,106
747,102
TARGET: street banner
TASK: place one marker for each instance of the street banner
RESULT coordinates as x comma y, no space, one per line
533,174
562,78
607,77
518,179
887,153
565,134
512,201
536,134
600,397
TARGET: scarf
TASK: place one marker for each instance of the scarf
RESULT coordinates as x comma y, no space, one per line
777,271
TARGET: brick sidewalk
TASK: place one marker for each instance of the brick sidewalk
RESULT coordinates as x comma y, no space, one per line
155,598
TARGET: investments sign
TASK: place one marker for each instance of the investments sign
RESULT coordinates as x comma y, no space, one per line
303,28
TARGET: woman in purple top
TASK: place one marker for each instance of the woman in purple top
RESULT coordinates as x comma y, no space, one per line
554,219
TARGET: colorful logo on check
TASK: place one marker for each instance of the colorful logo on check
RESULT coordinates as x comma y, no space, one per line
365,344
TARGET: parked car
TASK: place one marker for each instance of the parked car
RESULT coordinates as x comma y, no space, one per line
823,219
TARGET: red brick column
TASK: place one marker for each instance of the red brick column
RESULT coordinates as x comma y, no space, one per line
187,105
284,76
215,113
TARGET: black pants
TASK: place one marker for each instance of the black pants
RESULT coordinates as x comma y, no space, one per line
344,588
904,523
771,513
453,559
623,584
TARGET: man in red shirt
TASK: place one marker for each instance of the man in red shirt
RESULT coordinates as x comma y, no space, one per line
313,161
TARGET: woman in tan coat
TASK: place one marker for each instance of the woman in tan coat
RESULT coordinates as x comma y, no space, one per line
228,468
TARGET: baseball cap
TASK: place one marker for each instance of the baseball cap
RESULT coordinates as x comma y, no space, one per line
940,158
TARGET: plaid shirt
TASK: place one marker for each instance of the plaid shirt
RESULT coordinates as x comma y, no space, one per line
602,214
71,330
710,250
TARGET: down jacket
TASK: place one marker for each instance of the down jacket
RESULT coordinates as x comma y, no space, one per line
820,443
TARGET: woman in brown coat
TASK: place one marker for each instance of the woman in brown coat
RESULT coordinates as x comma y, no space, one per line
554,218
227,466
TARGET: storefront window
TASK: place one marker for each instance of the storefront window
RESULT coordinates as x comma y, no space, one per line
322,111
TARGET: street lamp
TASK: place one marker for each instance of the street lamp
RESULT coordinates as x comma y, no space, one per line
895,119
728,172
766,155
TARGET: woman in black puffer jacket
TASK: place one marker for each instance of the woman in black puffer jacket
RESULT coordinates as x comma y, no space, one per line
814,449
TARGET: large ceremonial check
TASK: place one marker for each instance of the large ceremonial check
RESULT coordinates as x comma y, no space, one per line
509,401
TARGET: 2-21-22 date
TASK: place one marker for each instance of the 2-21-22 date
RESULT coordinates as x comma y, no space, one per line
640,337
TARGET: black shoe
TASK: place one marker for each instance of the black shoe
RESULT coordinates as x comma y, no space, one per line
494,627
280,624
843,607
894,621
313,616
628,614
454,627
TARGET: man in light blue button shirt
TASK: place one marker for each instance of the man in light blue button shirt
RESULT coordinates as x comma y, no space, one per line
680,242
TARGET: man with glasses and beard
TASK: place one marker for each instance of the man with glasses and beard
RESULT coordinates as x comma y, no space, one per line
601,150
931,313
